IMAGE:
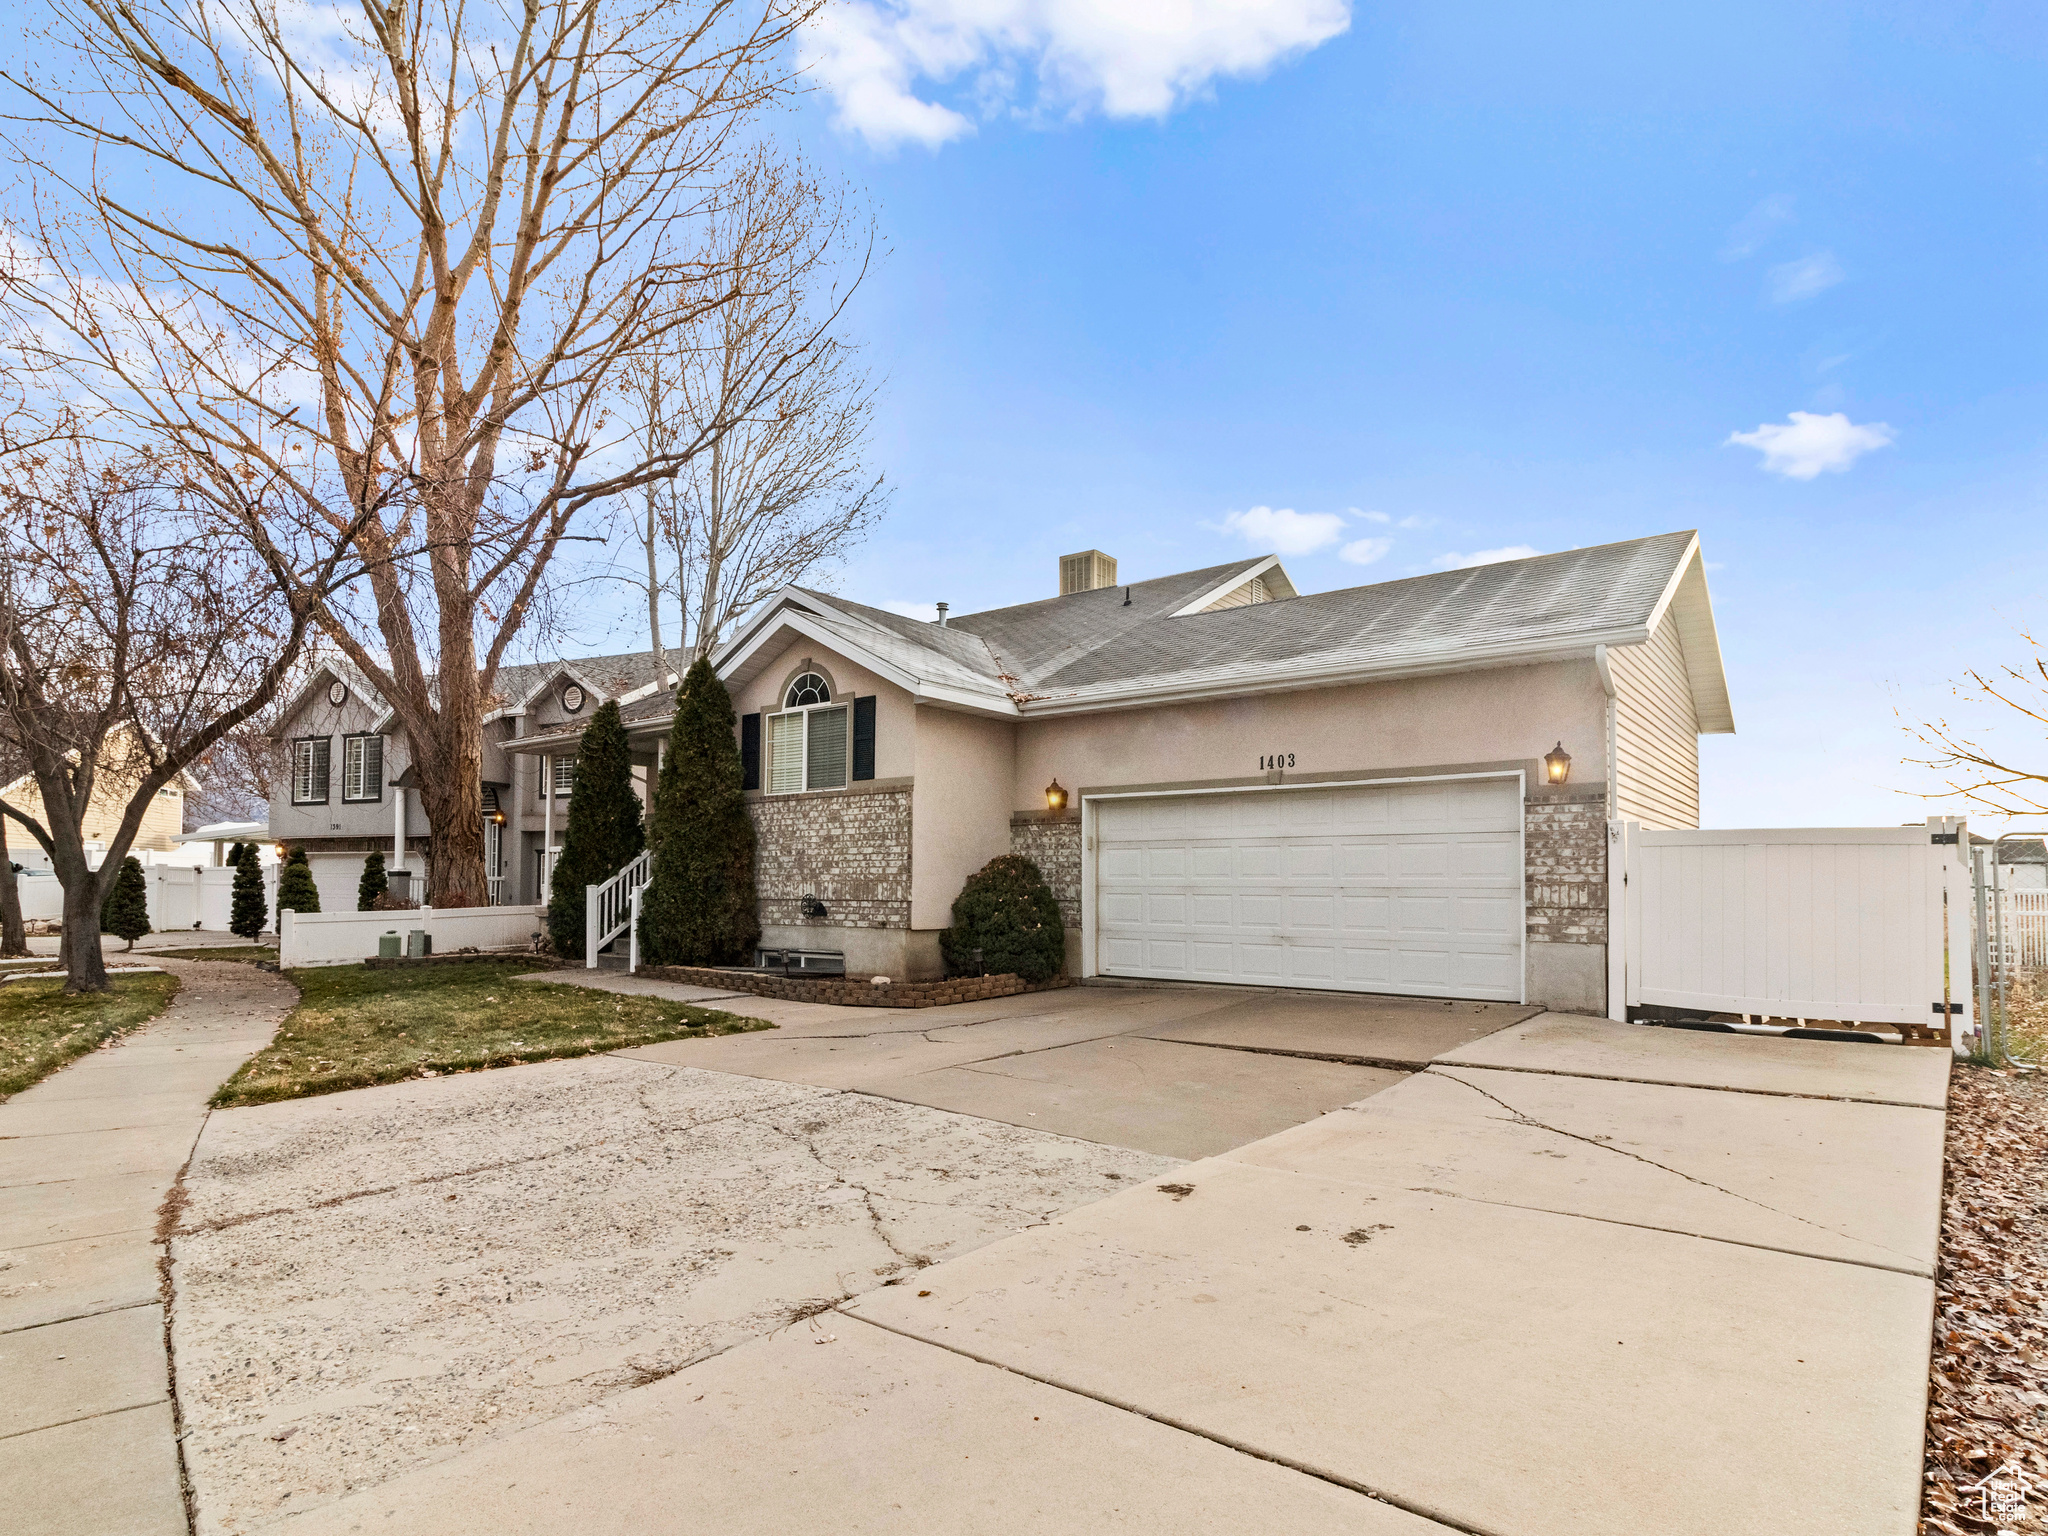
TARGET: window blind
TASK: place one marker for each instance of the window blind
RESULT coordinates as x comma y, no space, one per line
825,753
785,754
362,768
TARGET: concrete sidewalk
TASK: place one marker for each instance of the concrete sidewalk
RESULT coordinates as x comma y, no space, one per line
1614,1281
87,1157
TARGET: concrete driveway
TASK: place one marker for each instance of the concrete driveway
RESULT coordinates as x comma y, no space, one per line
1572,1277
1178,1070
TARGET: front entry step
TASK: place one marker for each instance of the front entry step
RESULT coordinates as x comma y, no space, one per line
608,961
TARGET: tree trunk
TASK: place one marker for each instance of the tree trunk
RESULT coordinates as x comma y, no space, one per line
13,935
85,967
452,790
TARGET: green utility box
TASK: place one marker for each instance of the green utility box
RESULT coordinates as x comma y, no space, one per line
389,945
418,943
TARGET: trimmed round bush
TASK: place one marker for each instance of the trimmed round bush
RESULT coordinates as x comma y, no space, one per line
1008,913
296,891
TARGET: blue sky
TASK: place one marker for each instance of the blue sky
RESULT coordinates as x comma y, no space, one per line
1505,276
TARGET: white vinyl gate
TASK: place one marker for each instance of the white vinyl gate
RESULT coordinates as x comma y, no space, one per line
1854,924
1405,887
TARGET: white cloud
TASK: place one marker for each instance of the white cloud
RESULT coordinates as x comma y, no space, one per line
1810,443
1802,279
881,59
1756,227
1283,530
1364,551
1385,520
1455,562
929,612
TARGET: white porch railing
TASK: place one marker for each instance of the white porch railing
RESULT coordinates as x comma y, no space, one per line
608,909
494,886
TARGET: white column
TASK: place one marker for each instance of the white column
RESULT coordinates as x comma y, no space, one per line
547,815
397,827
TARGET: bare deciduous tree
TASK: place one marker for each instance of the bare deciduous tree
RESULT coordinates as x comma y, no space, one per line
784,485
135,635
1973,767
407,250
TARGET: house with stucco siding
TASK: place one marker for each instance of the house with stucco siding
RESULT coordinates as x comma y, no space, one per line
1403,787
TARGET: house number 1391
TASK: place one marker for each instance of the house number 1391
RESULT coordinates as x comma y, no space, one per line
1277,760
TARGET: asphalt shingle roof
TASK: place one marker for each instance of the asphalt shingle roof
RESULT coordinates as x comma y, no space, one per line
1117,636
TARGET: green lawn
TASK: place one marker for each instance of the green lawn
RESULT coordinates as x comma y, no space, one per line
41,1029
218,952
355,1027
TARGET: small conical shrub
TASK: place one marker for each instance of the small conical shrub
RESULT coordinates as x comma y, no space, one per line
248,913
234,859
296,891
373,884
699,906
125,913
604,831
1008,913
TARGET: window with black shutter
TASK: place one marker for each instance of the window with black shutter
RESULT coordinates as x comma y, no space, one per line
750,751
864,737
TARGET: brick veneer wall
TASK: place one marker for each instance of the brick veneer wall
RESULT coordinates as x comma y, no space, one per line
1564,848
1053,843
849,848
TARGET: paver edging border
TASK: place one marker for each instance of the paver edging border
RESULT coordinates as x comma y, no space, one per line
855,993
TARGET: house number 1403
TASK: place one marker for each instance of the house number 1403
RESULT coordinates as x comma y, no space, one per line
1277,760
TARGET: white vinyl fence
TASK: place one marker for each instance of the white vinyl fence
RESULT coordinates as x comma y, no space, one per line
180,897
2026,929
1867,925
343,938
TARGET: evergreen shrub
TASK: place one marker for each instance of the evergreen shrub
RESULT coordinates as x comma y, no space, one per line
248,913
699,907
1008,913
604,831
125,912
296,891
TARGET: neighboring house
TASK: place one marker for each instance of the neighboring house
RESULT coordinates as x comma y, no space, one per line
162,820
1223,780
2023,864
347,774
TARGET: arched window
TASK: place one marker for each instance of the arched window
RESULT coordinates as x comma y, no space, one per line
808,739
808,689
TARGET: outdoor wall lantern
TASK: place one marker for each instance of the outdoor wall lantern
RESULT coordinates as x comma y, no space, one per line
498,817
1055,797
812,907
1557,764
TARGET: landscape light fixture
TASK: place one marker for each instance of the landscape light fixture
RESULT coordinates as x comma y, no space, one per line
1055,797
1557,764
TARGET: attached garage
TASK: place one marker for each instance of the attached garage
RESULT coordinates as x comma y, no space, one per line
1405,887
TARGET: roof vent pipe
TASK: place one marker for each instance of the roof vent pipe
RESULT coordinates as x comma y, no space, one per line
942,615
1127,597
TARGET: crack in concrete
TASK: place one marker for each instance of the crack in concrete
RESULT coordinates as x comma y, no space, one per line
1606,1146
84,1418
876,1222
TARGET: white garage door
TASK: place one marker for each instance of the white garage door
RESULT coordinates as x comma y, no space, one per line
1409,888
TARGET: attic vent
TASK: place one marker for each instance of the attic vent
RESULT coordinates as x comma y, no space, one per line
1253,591
1084,572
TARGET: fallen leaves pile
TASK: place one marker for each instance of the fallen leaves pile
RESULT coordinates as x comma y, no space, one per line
1988,1392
